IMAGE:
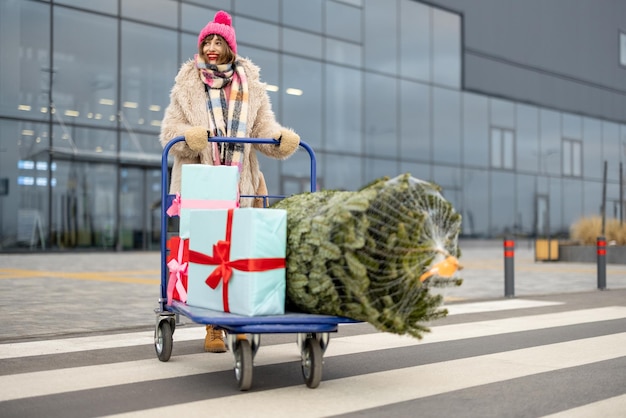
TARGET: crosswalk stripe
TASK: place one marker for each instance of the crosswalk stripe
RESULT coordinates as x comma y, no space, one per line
70,345
607,408
339,396
497,305
90,377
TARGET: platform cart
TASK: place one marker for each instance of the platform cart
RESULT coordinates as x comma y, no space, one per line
312,331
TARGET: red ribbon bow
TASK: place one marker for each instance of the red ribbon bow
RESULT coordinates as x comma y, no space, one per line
225,266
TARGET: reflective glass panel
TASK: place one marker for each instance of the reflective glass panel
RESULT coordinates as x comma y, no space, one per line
146,76
302,98
381,36
343,97
265,10
343,52
449,178
162,12
417,170
342,172
25,57
592,198
85,78
306,15
140,148
84,204
577,159
496,147
508,149
415,116
194,19
343,21
592,144
375,168
573,201
502,203
381,116
550,142
216,4
557,224
611,149
24,171
475,130
571,126
96,143
268,62
415,34
255,33
502,113
190,48
475,203
525,205
32,139
446,48
527,144
447,125
302,43
104,6
358,3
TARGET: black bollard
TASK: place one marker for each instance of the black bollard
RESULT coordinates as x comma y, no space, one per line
601,251
509,268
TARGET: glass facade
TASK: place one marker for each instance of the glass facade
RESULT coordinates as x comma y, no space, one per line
84,84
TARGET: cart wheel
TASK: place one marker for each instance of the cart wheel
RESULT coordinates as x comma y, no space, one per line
312,362
163,340
243,364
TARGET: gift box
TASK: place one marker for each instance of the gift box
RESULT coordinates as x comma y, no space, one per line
177,264
204,187
237,261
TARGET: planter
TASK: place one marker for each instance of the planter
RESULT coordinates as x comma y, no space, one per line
615,254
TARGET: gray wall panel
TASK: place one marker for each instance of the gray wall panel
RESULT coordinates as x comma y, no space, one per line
557,53
509,81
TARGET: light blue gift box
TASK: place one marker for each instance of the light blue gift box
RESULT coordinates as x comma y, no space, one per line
215,187
256,233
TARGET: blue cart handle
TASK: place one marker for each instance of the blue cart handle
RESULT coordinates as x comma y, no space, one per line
166,150
165,187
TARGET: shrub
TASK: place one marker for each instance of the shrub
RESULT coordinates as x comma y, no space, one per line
587,230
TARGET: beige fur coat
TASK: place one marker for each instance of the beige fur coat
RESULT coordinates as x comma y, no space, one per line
188,108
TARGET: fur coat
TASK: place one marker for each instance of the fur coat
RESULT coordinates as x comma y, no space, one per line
188,108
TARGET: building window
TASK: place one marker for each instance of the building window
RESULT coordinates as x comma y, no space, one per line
502,148
622,49
572,157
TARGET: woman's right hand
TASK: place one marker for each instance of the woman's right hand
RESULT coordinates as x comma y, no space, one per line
197,138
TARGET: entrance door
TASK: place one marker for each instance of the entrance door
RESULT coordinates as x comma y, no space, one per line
140,205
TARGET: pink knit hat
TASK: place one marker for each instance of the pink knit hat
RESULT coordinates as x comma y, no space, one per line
222,25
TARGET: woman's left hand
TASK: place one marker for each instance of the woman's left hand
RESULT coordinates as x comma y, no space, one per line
289,141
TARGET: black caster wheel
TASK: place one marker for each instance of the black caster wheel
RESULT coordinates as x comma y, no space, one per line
163,341
243,364
312,362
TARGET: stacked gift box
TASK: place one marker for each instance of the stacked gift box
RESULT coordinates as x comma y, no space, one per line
226,258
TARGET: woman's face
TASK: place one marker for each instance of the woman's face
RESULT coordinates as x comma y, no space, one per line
214,50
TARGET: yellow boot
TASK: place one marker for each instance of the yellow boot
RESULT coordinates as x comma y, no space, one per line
214,340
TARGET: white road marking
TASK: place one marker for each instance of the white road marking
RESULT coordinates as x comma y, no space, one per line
90,377
351,394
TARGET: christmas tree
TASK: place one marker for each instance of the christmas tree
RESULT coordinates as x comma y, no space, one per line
374,254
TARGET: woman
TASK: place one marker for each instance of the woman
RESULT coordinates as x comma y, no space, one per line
220,93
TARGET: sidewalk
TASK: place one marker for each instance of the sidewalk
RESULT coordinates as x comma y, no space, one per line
51,294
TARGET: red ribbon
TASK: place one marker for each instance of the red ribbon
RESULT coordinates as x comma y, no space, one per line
225,266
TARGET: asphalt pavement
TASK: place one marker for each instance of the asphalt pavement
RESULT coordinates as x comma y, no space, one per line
54,295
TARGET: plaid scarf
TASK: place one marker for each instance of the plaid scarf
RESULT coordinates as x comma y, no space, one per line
227,118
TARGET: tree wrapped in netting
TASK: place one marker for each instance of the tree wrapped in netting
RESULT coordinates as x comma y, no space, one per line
373,254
